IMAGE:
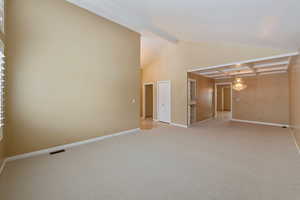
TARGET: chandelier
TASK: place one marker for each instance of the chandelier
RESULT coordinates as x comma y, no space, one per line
238,84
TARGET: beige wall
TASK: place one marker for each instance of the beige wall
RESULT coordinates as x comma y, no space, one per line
175,59
295,96
205,96
266,99
71,75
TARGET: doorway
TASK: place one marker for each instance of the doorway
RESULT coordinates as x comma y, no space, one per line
223,101
164,101
192,103
148,101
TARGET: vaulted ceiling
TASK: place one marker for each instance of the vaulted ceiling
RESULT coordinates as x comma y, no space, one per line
266,23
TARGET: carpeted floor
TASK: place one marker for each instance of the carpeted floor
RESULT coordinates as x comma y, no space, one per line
215,160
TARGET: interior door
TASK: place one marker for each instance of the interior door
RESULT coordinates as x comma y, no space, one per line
164,101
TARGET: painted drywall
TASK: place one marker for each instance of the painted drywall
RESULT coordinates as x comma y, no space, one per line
71,75
175,59
149,101
266,99
295,97
204,97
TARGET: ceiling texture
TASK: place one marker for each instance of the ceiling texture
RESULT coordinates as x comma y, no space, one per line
263,23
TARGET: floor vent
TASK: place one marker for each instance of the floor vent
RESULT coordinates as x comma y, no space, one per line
56,152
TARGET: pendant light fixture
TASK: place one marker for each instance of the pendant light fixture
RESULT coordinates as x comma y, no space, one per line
238,84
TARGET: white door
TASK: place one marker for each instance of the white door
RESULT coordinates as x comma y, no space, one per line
164,101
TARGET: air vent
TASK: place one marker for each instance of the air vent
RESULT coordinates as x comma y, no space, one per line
56,152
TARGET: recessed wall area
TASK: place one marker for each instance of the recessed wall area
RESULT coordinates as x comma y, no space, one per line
149,101
223,98
204,98
266,99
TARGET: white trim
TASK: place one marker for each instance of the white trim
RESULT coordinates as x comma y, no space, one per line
246,75
144,98
216,97
208,73
244,62
68,146
178,125
189,100
2,165
294,138
157,99
236,69
261,123
274,72
271,64
268,69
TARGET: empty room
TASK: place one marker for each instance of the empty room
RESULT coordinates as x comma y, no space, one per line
119,99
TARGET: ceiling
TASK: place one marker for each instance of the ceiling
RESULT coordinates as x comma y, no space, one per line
151,47
265,23
256,67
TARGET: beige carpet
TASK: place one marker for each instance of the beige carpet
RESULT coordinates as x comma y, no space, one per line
211,161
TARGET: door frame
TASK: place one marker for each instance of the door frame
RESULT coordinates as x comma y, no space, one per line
188,93
216,96
157,99
144,99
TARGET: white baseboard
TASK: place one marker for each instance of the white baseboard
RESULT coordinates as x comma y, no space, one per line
156,120
2,165
179,125
294,138
261,123
68,146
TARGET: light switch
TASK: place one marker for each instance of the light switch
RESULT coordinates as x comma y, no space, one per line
133,101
